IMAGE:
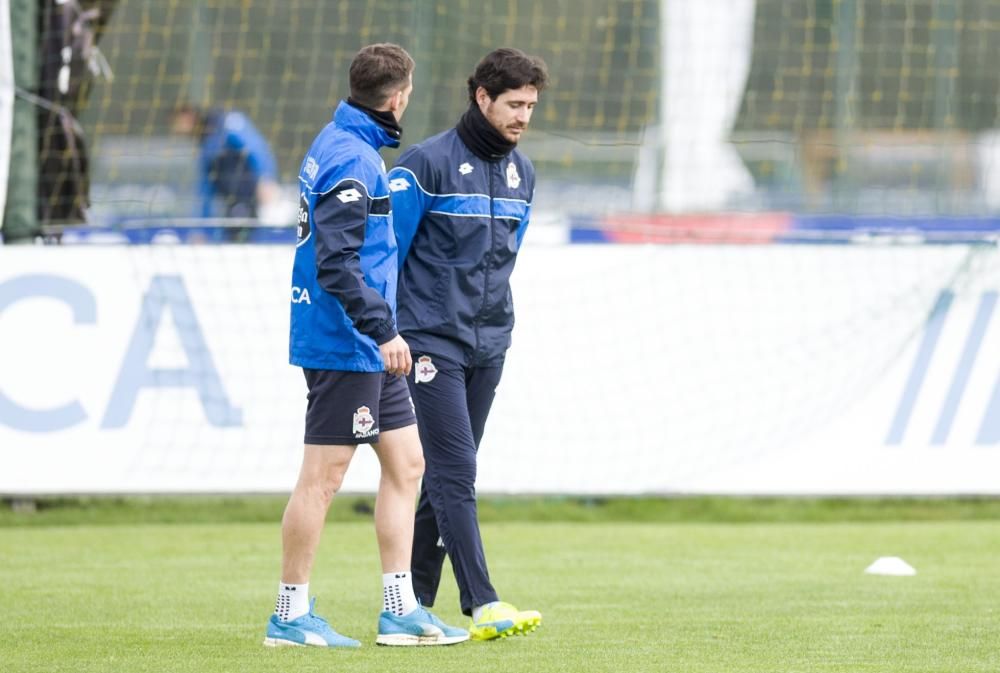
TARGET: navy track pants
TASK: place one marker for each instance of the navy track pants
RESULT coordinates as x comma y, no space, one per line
452,402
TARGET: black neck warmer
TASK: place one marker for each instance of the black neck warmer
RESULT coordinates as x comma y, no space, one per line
481,137
384,118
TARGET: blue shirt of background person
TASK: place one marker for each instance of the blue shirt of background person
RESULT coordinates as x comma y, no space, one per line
236,168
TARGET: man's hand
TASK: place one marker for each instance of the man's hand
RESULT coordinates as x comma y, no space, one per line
396,356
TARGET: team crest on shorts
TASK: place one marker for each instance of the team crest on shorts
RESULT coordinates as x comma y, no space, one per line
425,370
513,179
364,423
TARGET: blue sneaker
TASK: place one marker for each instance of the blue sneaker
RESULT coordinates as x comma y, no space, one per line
419,627
309,629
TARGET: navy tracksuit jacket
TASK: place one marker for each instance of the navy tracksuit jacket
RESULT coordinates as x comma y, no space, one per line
459,222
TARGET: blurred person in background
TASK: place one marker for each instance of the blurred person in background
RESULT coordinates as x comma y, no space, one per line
343,335
461,203
237,173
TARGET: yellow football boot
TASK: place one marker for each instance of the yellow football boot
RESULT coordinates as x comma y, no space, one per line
499,620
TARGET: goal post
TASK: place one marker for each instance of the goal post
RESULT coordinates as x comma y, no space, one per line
18,126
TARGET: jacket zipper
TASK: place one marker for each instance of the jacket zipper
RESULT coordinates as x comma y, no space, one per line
489,263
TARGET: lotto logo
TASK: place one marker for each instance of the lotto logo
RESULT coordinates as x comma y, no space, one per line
398,185
349,195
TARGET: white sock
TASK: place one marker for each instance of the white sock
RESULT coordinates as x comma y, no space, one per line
397,593
293,601
477,612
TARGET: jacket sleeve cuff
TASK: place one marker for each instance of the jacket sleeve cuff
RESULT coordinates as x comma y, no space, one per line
384,332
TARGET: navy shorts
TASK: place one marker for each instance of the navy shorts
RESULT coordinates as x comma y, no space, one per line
354,407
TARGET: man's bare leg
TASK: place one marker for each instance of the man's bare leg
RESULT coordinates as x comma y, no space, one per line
322,473
402,462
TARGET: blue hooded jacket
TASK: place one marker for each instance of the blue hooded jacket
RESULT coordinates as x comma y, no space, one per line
344,276
234,158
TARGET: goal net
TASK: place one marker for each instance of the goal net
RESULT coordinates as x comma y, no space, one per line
769,360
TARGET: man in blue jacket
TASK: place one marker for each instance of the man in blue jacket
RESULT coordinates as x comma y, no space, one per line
461,202
343,335
237,173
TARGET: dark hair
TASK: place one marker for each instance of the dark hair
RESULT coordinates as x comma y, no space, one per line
378,71
505,69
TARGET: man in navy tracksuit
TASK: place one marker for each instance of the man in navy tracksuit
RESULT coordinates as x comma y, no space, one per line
461,203
344,336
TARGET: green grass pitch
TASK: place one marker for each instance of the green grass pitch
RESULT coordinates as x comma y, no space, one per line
615,596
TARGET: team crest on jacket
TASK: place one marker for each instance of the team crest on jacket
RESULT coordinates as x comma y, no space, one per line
425,371
513,179
364,423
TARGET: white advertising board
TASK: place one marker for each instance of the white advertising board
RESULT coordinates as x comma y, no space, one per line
660,369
